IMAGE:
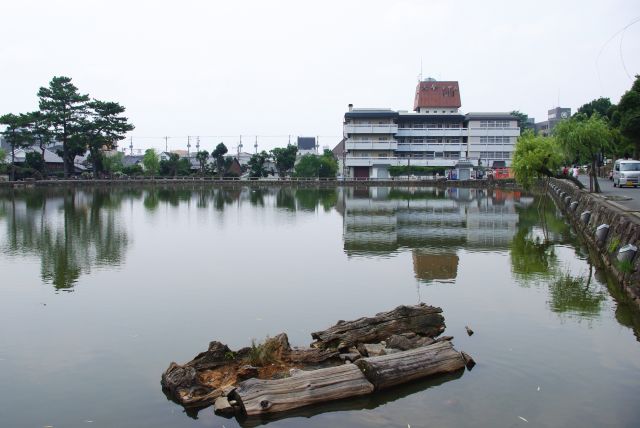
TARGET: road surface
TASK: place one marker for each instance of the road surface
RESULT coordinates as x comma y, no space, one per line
614,193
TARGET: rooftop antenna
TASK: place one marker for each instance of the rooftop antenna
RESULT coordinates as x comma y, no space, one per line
131,145
240,146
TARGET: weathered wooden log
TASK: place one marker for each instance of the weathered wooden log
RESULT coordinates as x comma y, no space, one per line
258,396
401,367
421,319
311,355
407,341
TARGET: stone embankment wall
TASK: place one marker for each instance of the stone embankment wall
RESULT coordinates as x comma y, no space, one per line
587,212
479,184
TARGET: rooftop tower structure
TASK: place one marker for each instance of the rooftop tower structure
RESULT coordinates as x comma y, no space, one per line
433,97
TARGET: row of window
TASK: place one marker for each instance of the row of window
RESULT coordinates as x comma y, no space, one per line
418,140
371,138
436,111
430,125
371,123
494,124
495,155
363,154
430,155
495,140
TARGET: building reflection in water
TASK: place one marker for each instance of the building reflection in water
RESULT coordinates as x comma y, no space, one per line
433,223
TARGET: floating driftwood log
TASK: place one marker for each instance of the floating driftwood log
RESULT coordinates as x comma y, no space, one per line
389,349
390,370
258,396
422,320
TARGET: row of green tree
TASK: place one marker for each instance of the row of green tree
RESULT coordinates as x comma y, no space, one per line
598,130
73,120
283,159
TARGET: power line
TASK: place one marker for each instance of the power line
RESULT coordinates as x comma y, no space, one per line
635,20
162,137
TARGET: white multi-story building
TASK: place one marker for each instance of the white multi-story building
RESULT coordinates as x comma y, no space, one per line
435,133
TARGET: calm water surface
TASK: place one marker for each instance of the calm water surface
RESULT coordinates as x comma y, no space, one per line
100,290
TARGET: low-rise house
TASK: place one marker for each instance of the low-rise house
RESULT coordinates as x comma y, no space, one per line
53,162
131,160
306,146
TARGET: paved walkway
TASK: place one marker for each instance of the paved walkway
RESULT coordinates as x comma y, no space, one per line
616,194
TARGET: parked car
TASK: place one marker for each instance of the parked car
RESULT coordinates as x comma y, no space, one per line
626,173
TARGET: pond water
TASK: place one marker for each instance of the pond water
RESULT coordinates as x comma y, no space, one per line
101,289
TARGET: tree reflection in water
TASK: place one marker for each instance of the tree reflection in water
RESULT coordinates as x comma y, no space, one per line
71,231
533,259
576,295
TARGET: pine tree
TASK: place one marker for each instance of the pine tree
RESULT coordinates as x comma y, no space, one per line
65,109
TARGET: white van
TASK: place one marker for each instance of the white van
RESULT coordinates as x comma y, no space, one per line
626,173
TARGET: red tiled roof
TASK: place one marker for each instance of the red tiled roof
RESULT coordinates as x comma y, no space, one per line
437,94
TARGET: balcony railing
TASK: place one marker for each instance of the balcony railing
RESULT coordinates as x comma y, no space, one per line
432,132
350,128
399,161
504,132
371,145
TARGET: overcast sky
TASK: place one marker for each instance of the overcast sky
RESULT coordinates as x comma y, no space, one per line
274,68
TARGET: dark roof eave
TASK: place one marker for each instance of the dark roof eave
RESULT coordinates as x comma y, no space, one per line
370,114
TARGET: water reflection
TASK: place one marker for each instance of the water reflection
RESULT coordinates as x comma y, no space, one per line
433,223
71,231
576,295
457,237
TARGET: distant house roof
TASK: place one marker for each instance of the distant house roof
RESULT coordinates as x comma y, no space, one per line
431,93
131,160
306,143
339,149
49,156
490,116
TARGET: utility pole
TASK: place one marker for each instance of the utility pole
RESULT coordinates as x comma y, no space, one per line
197,144
256,145
188,145
131,145
166,144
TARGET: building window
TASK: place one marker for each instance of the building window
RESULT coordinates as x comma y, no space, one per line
494,124
495,155
495,140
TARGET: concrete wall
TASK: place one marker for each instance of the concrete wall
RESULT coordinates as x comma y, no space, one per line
624,228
